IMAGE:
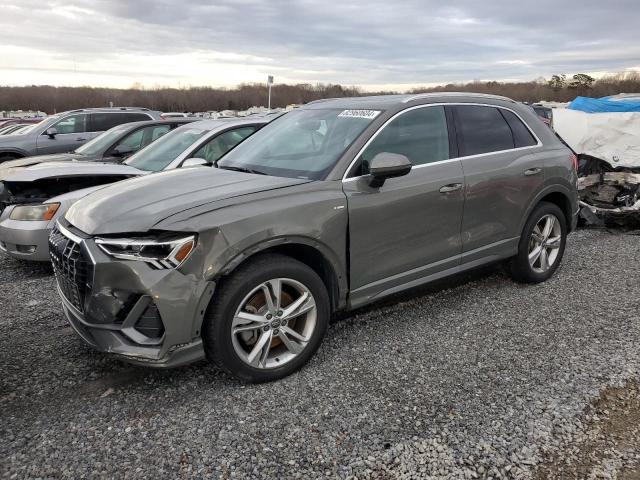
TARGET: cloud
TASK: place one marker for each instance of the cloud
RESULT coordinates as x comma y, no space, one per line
375,42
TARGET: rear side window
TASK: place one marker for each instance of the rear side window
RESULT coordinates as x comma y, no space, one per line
134,117
521,134
482,130
104,121
420,135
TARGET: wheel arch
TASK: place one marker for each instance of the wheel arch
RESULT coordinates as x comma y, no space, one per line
17,153
557,195
312,253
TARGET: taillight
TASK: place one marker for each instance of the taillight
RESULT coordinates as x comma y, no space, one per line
574,162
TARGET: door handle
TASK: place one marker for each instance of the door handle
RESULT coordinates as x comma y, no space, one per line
452,187
532,171
81,139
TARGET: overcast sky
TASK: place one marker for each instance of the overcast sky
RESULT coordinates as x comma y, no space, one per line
373,43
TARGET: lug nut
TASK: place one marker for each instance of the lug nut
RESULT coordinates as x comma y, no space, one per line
283,323
279,313
276,331
266,328
269,316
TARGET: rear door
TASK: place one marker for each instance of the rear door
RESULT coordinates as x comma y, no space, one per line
503,170
410,227
73,131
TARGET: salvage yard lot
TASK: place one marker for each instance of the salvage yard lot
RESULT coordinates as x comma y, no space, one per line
476,376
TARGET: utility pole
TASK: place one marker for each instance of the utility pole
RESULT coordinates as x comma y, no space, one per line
269,83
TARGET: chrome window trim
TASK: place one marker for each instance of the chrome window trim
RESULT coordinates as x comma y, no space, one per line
443,104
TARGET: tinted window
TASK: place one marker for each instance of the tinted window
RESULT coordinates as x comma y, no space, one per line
104,121
72,124
521,134
218,146
420,135
134,117
482,130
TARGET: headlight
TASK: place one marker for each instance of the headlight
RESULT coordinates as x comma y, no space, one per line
160,252
34,212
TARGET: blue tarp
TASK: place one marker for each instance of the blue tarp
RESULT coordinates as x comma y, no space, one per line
599,105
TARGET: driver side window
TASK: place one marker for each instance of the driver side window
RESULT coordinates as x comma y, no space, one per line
218,146
71,124
420,134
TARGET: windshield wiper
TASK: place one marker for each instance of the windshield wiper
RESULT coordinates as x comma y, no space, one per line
242,169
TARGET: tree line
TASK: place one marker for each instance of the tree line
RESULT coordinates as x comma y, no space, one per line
197,99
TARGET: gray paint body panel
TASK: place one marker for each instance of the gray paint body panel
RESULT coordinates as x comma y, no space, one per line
377,241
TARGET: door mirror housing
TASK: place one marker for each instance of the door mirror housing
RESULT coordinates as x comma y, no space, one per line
387,165
195,162
122,151
51,132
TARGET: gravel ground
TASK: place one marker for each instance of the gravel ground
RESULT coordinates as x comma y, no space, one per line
475,377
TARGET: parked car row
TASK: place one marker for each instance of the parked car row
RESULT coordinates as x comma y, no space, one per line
244,257
35,198
69,130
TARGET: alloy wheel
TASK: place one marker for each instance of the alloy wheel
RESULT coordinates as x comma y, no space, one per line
274,323
544,244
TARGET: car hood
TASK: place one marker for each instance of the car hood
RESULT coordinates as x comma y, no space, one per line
138,204
13,166
70,169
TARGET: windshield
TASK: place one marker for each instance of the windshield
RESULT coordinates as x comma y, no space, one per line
101,142
301,144
158,155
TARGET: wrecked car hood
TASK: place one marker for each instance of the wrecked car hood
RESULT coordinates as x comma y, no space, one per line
612,136
136,205
13,166
70,169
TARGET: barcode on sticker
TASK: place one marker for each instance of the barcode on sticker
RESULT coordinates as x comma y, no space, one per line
368,114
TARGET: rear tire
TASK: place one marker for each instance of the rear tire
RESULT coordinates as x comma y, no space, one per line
254,336
541,245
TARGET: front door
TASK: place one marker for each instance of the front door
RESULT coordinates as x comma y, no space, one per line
409,228
72,133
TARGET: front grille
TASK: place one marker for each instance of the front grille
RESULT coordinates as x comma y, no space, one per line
72,270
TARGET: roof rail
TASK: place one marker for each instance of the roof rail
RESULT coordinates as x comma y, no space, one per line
456,94
321,100
114,109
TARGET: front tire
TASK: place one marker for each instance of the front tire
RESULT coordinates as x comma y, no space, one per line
267,319
541,245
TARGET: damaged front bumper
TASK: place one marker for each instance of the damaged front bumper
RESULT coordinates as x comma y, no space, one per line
608,195
127,308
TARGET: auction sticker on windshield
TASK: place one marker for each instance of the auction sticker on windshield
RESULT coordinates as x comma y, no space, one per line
368,114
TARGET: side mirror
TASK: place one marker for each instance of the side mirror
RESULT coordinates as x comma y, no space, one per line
122,150
387,165
52,132
194,162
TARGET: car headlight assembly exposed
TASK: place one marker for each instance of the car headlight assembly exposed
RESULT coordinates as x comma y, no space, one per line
162,252
43,212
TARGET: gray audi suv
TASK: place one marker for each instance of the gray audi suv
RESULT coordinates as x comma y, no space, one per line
328,208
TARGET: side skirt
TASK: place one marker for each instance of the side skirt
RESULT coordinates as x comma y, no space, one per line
413,278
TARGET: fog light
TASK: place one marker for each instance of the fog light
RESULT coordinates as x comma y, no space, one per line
26,248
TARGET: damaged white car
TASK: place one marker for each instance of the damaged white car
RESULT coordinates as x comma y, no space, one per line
608,148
